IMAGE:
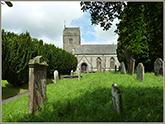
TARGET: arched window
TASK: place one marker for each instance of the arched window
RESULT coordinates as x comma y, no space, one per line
70,40
98,61
112,63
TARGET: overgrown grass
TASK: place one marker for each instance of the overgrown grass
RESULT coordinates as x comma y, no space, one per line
8,90
90,100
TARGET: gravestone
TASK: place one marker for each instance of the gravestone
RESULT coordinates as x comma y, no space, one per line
140,72
37,84
87,70
123,68
116,98
56,76
104,69
71,73
79,74
132,66
115,68
158,67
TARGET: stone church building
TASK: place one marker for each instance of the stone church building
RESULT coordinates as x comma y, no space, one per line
92,57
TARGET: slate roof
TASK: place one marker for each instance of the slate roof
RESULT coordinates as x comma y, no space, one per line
95,49
71,31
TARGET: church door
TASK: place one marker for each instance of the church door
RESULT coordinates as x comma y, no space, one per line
99,67
83,67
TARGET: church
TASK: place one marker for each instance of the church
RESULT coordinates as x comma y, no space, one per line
91,57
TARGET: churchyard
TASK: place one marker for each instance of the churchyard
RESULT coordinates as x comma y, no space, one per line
90,100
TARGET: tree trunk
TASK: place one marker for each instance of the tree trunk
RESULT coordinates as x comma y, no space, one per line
128,55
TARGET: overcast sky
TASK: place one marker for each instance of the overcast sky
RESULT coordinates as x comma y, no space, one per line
45,20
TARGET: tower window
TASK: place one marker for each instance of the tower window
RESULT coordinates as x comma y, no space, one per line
70,40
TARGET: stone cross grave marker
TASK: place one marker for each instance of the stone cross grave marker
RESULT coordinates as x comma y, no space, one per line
123,68
132,66
56,76
37,83
116,98
79,74
71,73
158,67
140,72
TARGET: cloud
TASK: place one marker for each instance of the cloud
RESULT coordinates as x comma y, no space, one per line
94,34
44,20
108,35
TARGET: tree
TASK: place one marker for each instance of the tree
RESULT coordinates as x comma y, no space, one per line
149,29
138,29
103,13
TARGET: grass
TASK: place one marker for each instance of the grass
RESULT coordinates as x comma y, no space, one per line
90,100
8,90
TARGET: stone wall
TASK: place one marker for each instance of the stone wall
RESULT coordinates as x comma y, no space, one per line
91,61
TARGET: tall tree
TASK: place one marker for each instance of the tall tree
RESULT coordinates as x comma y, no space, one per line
140,29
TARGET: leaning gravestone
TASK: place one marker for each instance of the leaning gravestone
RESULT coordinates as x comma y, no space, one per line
123,68
158,67
71,73
116,98
56,76
37,84
79,73
140,72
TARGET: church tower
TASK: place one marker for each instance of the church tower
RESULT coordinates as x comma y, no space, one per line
71,38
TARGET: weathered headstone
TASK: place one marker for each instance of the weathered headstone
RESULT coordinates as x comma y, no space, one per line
104,69
116,98
71,73
56,76
79,74
132,66
37,83
115,68
140,72
87,70
123,68
158,67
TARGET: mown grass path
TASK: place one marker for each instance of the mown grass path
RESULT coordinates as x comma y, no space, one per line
89,100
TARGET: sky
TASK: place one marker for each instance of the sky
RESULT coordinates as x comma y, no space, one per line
45,20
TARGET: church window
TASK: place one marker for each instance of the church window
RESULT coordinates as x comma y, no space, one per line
112,63
70,40
98,60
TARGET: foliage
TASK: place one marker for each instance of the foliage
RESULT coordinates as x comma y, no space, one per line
90,100
17,50
137,36
140,29
103,13
16,53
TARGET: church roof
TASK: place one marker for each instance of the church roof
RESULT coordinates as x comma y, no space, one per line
71,31
95,49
